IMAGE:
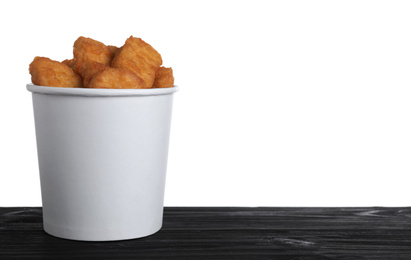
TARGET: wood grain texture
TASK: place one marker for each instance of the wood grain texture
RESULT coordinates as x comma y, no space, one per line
228,233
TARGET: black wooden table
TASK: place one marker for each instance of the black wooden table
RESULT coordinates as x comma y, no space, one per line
228,233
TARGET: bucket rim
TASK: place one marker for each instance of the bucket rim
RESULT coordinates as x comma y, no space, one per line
98,92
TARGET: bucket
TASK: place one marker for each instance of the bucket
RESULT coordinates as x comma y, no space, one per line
102,157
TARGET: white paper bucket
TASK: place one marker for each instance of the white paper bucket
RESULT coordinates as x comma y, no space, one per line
102,158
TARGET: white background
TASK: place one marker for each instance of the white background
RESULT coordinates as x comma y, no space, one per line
281,103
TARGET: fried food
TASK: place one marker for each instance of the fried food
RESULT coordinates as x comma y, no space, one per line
91,57
139,57
47,72
164,78
69,63
89,69
88,50
113,49
136,64
117,78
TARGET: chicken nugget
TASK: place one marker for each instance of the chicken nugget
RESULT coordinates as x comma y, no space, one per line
47,72
69,63
87,53
89,50
117,78
139,57
89,69
164,78
113,49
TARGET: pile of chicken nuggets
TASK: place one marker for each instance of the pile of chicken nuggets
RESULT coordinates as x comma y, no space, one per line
95,65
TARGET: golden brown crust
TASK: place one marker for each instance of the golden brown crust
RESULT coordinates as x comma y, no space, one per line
116,78
91,57
139,57
89,70
136,64
164,78
113,49
88,50
69,63
47,72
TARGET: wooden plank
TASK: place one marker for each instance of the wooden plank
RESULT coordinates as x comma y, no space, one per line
228,233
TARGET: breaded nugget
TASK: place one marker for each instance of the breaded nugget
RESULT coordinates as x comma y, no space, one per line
69,63
87,53
47,72
164,78
116,78
88,50
139,57
89,69
113,49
